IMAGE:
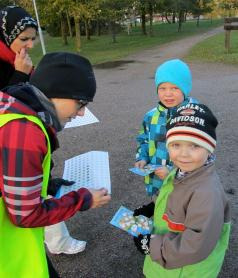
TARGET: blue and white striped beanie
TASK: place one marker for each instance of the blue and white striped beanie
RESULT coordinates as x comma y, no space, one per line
176,72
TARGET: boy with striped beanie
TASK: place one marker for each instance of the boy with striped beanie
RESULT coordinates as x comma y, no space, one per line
193,123
192,215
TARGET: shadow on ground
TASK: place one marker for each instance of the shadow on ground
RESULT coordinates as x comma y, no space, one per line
113,64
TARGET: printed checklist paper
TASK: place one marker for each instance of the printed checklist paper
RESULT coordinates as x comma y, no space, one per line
87,119
90,170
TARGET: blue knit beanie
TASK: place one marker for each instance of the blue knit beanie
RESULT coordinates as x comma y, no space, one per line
176,72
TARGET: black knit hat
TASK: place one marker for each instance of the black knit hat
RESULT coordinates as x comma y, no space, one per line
194,123
65,75
13,21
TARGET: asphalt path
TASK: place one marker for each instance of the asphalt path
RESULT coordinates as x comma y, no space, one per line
124,93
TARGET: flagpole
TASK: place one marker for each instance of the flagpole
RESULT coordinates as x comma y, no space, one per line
39,29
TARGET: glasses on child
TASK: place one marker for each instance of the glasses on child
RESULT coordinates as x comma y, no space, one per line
81,104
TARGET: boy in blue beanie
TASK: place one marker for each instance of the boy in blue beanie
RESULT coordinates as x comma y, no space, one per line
173,82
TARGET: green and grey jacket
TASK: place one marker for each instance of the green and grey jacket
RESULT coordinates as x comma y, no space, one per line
191,227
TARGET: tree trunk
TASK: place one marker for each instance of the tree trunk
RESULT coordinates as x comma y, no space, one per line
77,33
181,17
174,17
69,25
87,31
198,17
167,19
134,18
98,28
135,22
185,16
113,31
128,28
63,29
151,19
143,21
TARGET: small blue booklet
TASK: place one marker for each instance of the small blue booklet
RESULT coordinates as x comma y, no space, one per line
134,225
148,169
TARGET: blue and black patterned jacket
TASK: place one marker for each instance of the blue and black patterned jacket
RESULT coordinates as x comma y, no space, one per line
152,142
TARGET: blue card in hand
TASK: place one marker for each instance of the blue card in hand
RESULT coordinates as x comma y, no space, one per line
134,225
148,169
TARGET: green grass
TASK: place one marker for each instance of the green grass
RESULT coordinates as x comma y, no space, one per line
101,49
213,50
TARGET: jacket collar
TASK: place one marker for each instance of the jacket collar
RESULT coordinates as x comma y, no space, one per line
196,174
27,99
162,107
6,54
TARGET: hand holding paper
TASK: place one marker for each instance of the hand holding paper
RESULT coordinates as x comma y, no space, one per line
162,172
148,169
140,164
100,197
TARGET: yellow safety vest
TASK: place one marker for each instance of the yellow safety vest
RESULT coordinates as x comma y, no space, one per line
22,252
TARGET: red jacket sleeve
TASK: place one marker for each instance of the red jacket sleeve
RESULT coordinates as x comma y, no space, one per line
23,147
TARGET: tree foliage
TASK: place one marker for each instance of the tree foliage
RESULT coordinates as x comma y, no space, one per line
77,17
229,6
4,3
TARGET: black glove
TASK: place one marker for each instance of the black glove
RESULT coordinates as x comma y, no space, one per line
146,210
55,184
142,243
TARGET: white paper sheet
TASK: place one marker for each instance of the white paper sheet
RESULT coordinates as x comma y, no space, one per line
90,170
87,119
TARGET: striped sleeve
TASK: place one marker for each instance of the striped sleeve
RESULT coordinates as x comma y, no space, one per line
23,147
